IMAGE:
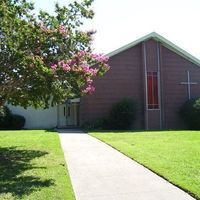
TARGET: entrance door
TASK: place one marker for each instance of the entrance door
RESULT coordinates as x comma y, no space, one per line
72,114
68,114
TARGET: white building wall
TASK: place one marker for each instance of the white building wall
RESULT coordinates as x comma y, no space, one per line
37,118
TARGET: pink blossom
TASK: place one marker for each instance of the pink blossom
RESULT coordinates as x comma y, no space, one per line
89,80
62,29
93,72
82,53
89,89
66,67
100,57
86,68
71,62
53,66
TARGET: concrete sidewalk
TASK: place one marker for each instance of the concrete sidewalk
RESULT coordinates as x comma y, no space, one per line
98,172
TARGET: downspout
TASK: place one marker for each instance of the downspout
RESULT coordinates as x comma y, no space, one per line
146,96
159,84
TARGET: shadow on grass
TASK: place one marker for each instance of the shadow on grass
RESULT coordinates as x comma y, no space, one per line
13,163
50,131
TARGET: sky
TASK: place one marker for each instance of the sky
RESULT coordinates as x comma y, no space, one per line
119,22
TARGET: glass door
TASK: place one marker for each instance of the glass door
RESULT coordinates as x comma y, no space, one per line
72,114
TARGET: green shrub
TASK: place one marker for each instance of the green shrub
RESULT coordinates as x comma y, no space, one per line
98,124
5,117
122,115
10,121
190,113
88,125
18,122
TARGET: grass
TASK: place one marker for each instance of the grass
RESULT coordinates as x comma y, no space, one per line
32,166
175,155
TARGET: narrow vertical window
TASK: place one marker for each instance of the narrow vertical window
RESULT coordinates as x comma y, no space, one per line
68,113
152,90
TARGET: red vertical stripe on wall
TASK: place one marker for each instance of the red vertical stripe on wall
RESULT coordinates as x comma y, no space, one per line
152,84
155,86
150,97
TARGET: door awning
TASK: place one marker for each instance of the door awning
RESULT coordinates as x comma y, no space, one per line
75,100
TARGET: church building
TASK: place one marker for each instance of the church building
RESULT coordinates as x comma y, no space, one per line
154,72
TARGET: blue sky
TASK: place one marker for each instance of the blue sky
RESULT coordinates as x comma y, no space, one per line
120,22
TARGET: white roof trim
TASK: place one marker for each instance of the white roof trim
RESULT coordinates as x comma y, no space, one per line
165,43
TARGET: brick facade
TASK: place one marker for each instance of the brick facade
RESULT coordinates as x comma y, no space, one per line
126,79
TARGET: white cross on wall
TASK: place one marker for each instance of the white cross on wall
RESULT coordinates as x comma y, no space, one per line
189,83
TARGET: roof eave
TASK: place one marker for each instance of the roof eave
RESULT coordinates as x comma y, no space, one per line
165,43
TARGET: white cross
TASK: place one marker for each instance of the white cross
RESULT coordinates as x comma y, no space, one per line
188,83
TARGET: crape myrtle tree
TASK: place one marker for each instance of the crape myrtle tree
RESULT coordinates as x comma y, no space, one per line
44,58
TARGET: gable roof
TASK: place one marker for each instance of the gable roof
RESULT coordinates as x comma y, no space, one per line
164,42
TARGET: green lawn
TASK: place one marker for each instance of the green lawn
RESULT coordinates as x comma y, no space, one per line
32,166
174,155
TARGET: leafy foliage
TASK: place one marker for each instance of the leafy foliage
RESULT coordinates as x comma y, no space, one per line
98,124
122,114
5,117
10,121
190,113
18,122
46,58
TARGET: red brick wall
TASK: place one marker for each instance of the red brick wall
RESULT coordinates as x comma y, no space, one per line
174,94
122,80
152,57
126,79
